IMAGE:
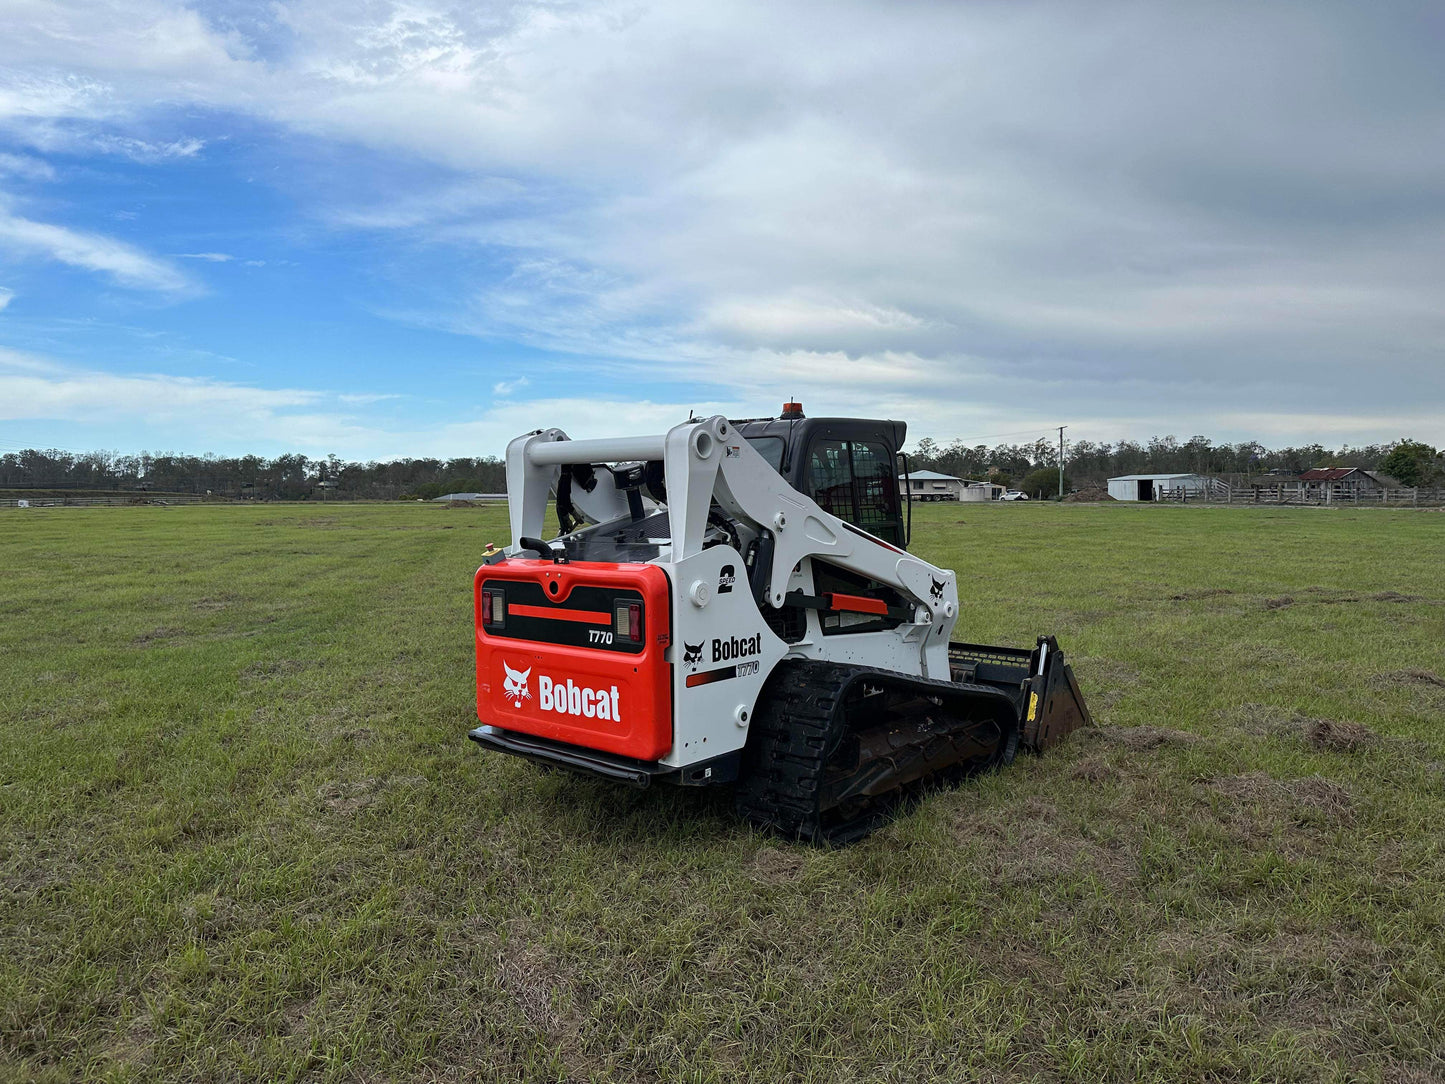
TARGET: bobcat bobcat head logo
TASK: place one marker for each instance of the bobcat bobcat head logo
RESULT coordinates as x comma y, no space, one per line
515,686
693,655
937,591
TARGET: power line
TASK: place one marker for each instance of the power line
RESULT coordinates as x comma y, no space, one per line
1015,433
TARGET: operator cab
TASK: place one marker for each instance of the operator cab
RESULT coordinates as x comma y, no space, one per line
847,465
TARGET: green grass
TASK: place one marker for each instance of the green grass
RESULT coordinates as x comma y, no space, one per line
243,837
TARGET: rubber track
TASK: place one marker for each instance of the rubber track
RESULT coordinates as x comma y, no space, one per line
788,748
794,730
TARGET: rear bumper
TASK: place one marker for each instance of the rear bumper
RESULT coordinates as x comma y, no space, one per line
635,773
614,766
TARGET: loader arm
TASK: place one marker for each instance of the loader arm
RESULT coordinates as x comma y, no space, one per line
750,489
708,460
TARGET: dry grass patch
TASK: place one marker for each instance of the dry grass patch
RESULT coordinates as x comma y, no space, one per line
1094,770
1324,735
1314,791
269,668
1338,737
1140,738
1411,677
778,865
164,632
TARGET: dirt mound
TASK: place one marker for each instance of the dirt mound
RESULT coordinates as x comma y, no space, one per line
1338,737
1093,493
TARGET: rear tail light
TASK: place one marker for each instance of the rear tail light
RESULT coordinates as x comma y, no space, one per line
494,609
628,622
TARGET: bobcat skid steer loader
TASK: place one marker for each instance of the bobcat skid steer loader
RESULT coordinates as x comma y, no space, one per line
732,602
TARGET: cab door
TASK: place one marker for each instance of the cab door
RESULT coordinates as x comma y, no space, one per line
855,478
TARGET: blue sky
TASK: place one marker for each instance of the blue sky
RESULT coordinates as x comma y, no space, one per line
390,229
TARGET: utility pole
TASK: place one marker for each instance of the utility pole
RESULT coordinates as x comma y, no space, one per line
1061,461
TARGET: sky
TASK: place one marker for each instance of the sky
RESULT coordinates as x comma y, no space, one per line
379,229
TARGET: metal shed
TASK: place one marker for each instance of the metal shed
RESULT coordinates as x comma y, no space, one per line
982,491
1152,487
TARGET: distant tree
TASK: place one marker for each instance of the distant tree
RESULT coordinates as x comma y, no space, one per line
926,454
1413,463
1043,482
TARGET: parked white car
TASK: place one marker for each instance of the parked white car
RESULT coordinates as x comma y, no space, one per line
1015,495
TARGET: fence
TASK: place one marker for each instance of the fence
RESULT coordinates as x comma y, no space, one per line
101,502
1220,492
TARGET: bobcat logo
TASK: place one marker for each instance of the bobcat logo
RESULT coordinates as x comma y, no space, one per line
515,686
937,591
693,655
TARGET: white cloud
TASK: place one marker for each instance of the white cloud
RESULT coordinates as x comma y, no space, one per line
959,212
34,389
793,319
126,264
49,95
26,167
506,388
210,257
6,296
139,410
142,150
227,417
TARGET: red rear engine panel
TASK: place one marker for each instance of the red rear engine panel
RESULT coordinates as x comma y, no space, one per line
577,653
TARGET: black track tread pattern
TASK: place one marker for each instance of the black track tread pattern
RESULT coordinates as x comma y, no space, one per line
796,726
792,730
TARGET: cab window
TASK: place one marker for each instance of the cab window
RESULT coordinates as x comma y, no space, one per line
856,481
771,449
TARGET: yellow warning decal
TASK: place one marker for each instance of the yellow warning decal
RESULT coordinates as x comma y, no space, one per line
1033,706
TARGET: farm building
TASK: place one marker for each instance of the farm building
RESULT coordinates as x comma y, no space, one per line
1156,487
1322,484
929,485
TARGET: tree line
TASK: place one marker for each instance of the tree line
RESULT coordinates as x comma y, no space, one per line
286,477
1034,466
1030,466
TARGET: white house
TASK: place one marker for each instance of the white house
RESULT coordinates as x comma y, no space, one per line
929,485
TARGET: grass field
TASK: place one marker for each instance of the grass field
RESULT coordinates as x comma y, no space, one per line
243,836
